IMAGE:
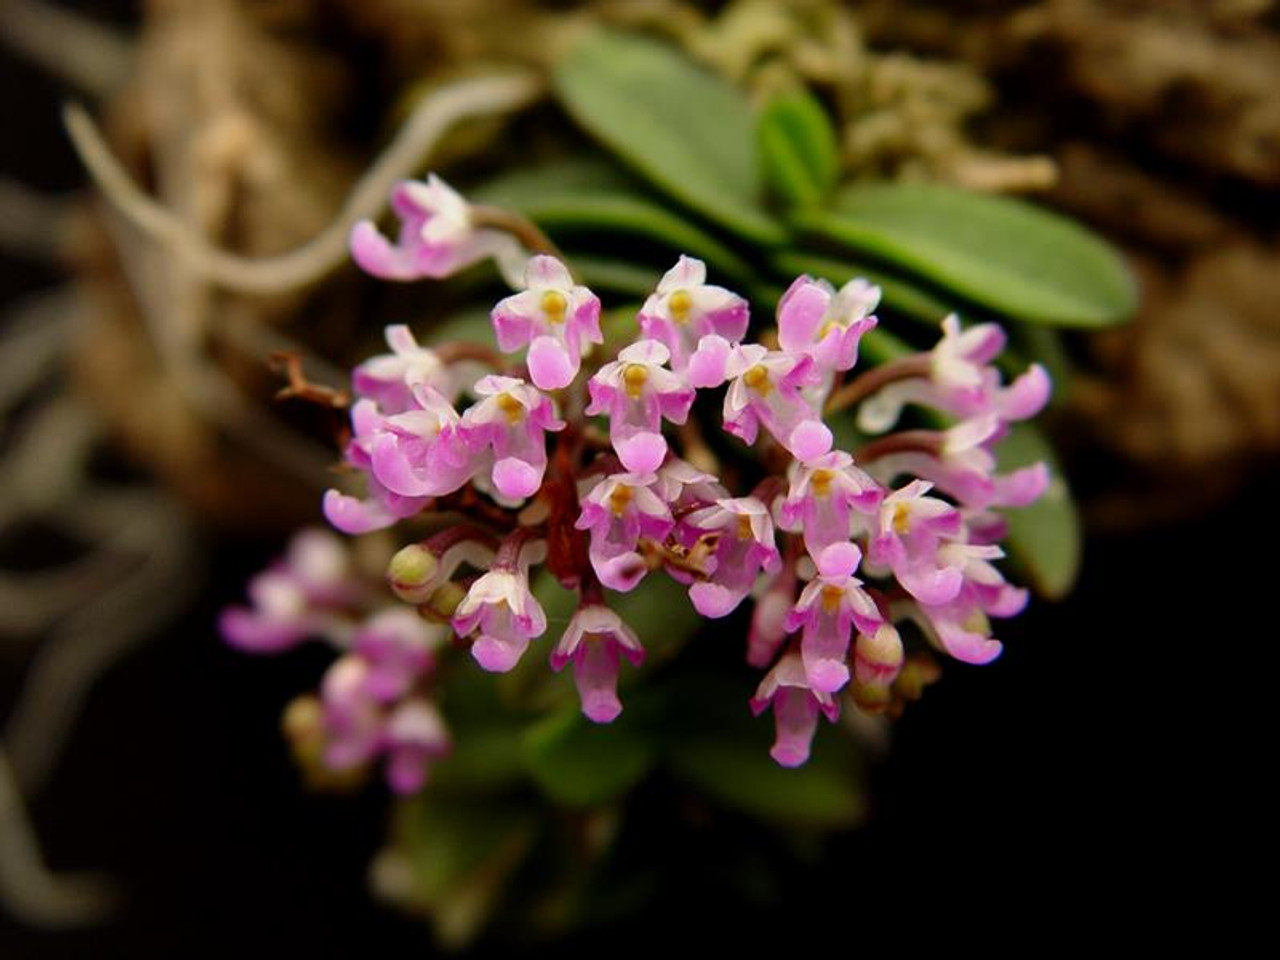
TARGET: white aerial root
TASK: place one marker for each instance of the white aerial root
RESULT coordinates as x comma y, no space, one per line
141,565
275,274
27,889
32,225
101,628
94,57
32,335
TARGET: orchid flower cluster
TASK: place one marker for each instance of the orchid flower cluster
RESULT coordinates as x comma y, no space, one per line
507,446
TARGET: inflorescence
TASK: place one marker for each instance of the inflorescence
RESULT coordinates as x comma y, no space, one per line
837,548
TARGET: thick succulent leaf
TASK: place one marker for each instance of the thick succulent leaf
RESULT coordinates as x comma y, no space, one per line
462,850
584,764
619,213
486,735
574,200
622,277
798,148
561,177
999,252
683,129
470,324
661,614
723,751
1044,541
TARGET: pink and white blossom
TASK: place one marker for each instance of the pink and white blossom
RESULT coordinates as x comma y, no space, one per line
511,421
502,611
796,705
817,321
766,390
619,510
296,598
824,495
415,737
961,381
910,531
637,394
744,547
437,237
594,642
828,609
390,378
961,463
685,308
554,317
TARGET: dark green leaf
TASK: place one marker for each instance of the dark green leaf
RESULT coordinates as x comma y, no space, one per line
564,177
685,130
486,735
619,213
660,613
576,199
724,751
999,252
462,851
1044,540
471,324
739,772
616,276
583,764
798,148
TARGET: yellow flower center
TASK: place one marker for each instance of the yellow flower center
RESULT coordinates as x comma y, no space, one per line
680,305
821,483
744,527
554,306
831,597
901,519
620,499
635,376
512,407
757,378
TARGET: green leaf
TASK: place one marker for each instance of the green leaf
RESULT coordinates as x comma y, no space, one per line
1044,541
879,346
573,199
563,177
617,276
462,850
619,213
799,150
999,252
898,294
661,614
683,129
470,324
584,764
723,751
486,736
739,772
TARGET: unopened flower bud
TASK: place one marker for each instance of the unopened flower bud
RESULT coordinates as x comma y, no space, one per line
871,697
412,573
918,672
302,724
442,604
877,657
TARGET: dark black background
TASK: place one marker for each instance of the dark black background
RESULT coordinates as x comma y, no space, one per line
1077,774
